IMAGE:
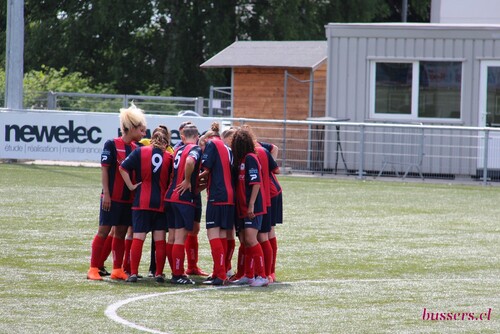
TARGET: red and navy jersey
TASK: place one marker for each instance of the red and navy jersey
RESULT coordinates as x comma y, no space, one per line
151,166
113,154
217,158
265,145
181,155
275,187
265,160
249,174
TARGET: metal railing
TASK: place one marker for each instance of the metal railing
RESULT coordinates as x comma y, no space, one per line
219,103
327,147
386,150
111,102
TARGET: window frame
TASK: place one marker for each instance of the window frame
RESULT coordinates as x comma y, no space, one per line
415,89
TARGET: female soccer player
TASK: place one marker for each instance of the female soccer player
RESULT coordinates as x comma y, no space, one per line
227,137
250,205
270,191
276,208
216,163
152,166
116,198
192,245
181,206
128,239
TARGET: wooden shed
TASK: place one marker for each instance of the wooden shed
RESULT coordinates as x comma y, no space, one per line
283,80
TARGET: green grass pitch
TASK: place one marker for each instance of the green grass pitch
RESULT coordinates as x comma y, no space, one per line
354,257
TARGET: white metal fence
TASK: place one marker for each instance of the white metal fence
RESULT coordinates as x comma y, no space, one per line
383,150
358,149
219,104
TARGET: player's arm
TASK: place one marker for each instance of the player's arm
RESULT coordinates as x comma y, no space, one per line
126,178
106,196
203,180
251,201
274,151
188,171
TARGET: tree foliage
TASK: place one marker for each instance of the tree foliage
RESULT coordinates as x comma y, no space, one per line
156,46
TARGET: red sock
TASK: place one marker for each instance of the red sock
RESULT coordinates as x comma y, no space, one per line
95,256
268,256
274,245
241,261
249,265
191,246
168,251
224,246
231,244
219,258
178,259
257,263
160,256
106,250
126,255
135,255
118,248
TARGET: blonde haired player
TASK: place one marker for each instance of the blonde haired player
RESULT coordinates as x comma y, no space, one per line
116,198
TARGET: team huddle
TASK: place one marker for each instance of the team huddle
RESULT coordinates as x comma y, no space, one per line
148,186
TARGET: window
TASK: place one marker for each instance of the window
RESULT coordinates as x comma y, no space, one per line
409,90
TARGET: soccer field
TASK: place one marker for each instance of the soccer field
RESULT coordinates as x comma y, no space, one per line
354,257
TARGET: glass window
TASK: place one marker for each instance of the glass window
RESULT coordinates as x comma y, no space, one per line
393,88
439,89
493,97
425,89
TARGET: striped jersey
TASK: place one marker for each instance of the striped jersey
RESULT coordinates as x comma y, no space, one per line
217,157
181,155
265,160
275,187
153,167
249,174
113,154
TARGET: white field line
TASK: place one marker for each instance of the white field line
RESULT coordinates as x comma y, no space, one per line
111,310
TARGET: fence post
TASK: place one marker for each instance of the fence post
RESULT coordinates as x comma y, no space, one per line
198,106
51,100
361,165
211,101
485,157
125,101
285,84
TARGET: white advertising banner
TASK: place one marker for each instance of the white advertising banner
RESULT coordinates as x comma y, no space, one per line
72,136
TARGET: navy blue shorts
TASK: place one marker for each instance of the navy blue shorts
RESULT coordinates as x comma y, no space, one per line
220,216
266,221
197,213
144,221
277,210
120,214
237,225
255,223
180,215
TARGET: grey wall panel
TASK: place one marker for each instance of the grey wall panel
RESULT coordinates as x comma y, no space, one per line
353,46
361,101
343,70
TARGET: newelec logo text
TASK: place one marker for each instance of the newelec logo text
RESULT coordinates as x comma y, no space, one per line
60,134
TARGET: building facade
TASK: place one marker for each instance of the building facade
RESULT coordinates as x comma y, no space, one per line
440,74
